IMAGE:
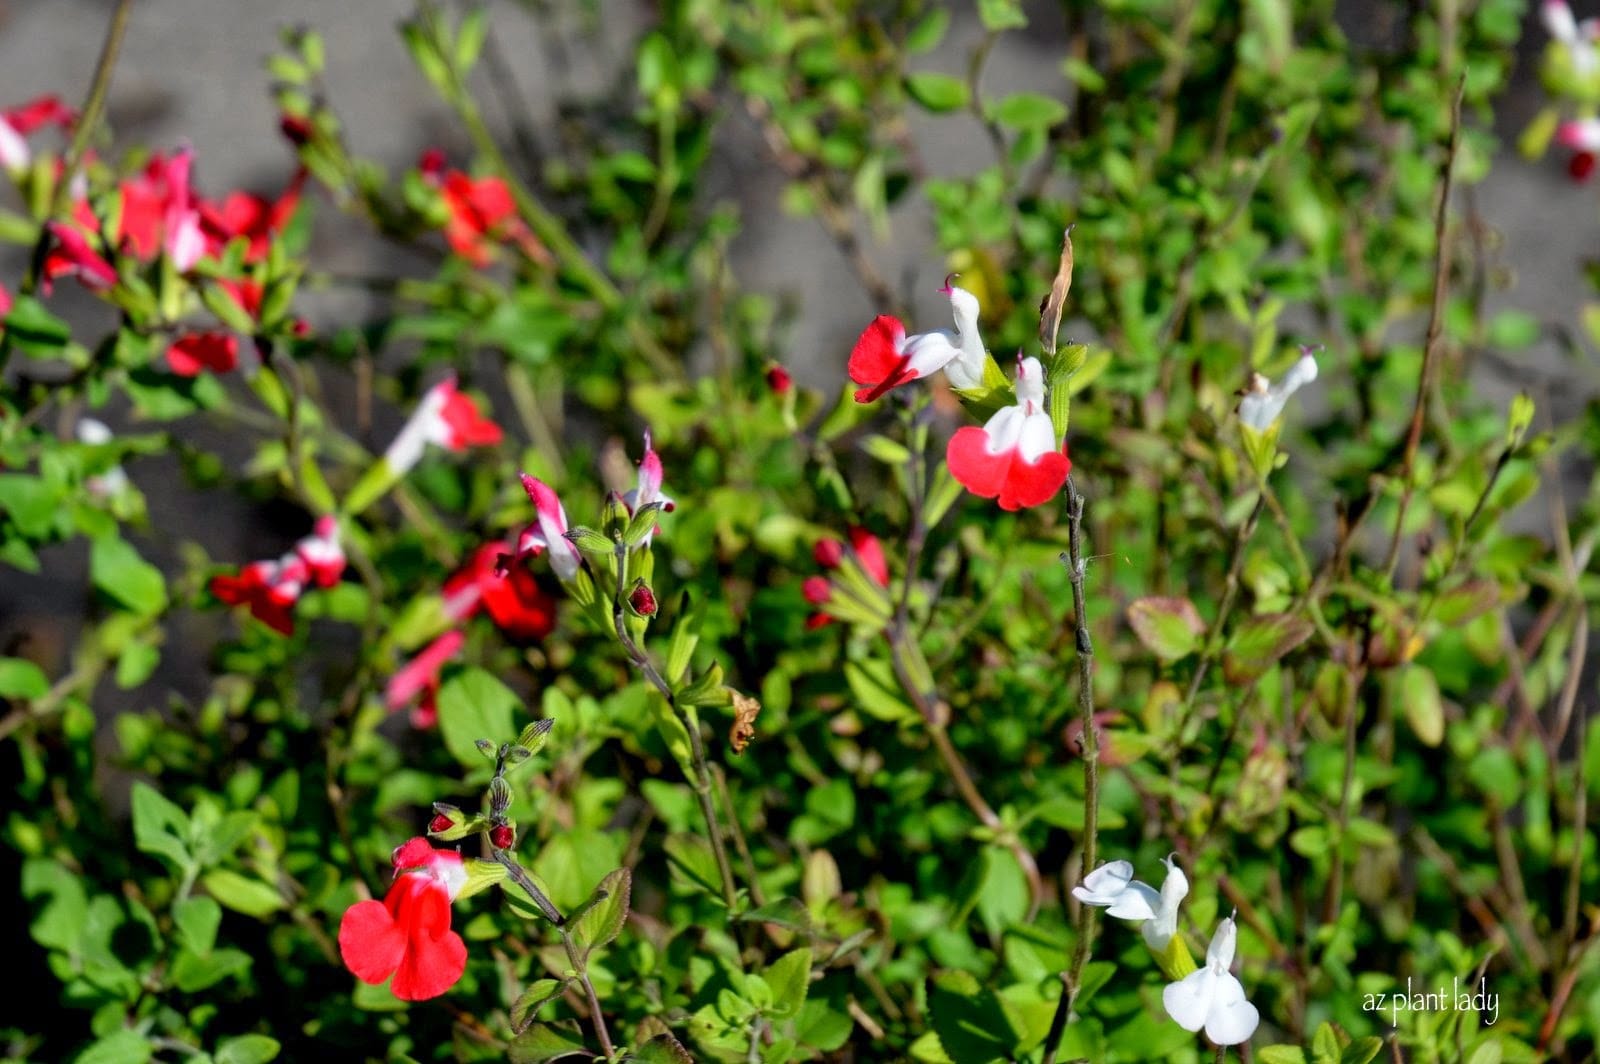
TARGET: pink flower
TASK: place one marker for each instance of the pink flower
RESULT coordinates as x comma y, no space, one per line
549,530
193,353
445,417
649,487
74,256
884,357
420,675
1013,456
159,214
321,552
18,122
407,935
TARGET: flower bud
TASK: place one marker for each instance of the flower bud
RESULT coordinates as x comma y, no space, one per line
828,553
779,381
439,823
642,600
295,128
501,836
450,823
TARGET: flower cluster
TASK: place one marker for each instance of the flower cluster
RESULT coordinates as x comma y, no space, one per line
158,216
1570,70
1014,458
271,588
1209,997
479,212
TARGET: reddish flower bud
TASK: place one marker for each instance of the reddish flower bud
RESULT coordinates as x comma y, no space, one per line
779,381
643,600
501,836
295,128
1581,165
828,553
440,823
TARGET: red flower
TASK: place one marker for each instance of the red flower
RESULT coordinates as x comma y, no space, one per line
420,675
73,255
407,935
1013,457
516,603
480,212
193,353
266,589
245,214
18,122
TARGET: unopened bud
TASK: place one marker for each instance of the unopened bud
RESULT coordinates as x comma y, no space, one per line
828,553
440,823
642,600
779,381
501,836
296,128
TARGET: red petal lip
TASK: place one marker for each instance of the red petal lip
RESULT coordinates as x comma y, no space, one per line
407,935
876,360
1006,477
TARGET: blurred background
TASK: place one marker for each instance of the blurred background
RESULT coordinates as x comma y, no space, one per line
191,71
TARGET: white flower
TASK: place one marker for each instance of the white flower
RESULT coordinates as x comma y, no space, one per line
1212,997
1264,402
113,480
966,369
1159,931
1113,887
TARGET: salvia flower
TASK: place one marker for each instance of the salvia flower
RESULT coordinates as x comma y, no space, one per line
1263,401
549,530
408,935
1583,136
480,211
1013,457
446,417
114,480
648,489
271,588
193,353
519,607
1212,997
1113,888
884,357
420,675
17,123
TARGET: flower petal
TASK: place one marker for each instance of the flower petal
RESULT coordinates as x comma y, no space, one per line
1231,1019
1137,902
370,941
1188,1001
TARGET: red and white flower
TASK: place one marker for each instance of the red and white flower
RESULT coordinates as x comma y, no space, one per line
17,123
885,357
1583,137
446,417
649,487
1013,457
548,531
271,588
407,935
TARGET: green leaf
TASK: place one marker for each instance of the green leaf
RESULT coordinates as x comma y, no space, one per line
197,920
1282,1054
1260,643
191,972
926,35
1169,627
543,1042
30,504
538,994
1028,110
685,636
35,331
971,1022
124,1047
789,977
1002,14
160,827
937,92
22,679
693,864
474,705
116,568
247,1049
662,1049
602,918
1423,706
242,894
1325,1048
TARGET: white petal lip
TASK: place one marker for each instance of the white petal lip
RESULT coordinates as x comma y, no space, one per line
1188,1001
966,370
930,352
1558,21
1231,1019
1260,409
1219,955
1137,902
1102,885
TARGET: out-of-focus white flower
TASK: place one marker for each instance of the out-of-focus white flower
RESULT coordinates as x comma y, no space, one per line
1264,401
113,480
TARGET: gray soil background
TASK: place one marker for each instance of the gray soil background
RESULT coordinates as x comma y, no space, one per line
191,71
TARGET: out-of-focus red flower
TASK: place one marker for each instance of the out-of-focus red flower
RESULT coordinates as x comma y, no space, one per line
193,353
481,212
514,601
866,550
1581,165
17,123
245,214
271,588
407,934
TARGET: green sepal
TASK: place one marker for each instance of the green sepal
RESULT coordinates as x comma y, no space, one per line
481,875
1175,961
